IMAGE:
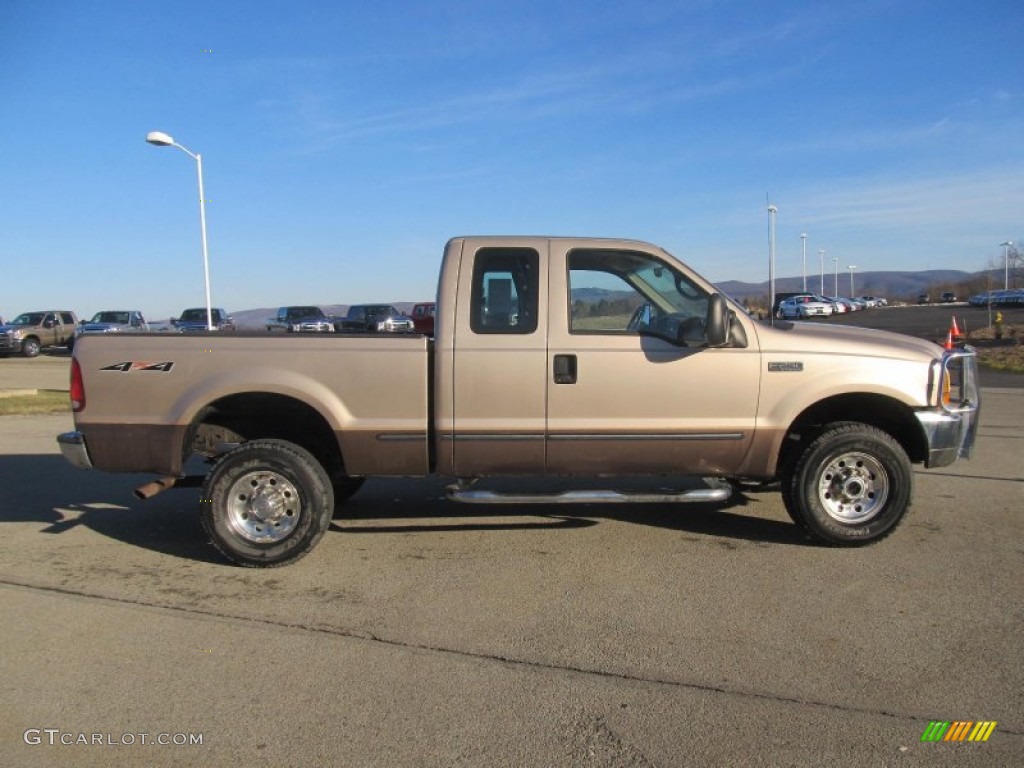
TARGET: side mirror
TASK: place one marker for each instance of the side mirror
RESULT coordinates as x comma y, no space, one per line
716,326
49,324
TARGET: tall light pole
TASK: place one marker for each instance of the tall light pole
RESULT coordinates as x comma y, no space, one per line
803,242
772,210
161,139
835,276
1006,262
851,268
821,264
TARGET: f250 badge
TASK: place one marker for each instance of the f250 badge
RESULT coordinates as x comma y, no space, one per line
129,365
785,367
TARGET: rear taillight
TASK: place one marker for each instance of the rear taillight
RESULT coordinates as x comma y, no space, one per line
77,387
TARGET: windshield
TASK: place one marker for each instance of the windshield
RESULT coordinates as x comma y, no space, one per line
29,318
197,315
306,312
110,317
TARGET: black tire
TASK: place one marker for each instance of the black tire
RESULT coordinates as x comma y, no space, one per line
851,486
70,344
266,503
30,347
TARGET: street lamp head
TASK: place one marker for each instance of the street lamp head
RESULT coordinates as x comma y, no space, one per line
772,209
1007,244
159,138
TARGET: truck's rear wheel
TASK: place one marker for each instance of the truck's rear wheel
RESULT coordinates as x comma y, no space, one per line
851,486
266,503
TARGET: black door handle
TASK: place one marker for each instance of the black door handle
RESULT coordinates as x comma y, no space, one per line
565,369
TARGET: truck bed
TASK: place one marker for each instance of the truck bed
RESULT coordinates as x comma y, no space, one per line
144,392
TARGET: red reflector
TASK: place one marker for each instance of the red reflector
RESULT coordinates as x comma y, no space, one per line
77,387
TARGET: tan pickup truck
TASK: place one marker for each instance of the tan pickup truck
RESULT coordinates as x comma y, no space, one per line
576,358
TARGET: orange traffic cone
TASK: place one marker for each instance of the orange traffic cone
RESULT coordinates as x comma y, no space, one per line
955,332
949,340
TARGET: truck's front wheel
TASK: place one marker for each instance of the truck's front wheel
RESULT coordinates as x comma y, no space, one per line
266,503
30,347
852,485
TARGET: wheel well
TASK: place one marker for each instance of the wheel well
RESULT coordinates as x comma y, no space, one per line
879,411
261,415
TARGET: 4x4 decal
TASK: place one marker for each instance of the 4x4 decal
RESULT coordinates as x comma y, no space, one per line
129,365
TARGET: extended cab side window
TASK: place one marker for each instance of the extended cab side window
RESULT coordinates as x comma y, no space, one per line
614,291
67,318
505,291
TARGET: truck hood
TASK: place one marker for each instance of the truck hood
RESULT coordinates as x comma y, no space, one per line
102,327
845,339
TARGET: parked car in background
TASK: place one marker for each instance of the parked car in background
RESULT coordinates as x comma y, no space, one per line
374,318
301,320
804,305
1001,297
924,298
114,321
423,317
29,332
840,306
194,319
947,297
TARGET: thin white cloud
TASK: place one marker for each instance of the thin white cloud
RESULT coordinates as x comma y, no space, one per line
991,197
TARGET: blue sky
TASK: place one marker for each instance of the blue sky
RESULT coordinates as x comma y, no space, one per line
344,143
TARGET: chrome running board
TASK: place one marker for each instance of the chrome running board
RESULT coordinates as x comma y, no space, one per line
717,491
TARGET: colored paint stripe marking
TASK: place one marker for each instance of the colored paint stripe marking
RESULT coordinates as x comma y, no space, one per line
935,731
982,731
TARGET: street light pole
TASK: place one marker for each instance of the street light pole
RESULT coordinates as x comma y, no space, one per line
772,210
835,276
803,242
160,139
851,268
1006,264
821,264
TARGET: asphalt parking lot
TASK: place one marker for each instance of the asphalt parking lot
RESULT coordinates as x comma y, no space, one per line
420,632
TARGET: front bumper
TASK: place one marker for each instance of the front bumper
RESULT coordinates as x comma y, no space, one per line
73,448
9,344
951,428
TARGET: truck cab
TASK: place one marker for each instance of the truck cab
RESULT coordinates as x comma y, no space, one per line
584,357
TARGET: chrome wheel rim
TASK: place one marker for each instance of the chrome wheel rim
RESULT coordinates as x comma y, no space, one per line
263,507
853,487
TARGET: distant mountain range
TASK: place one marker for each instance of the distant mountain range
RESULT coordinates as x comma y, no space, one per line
887,284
